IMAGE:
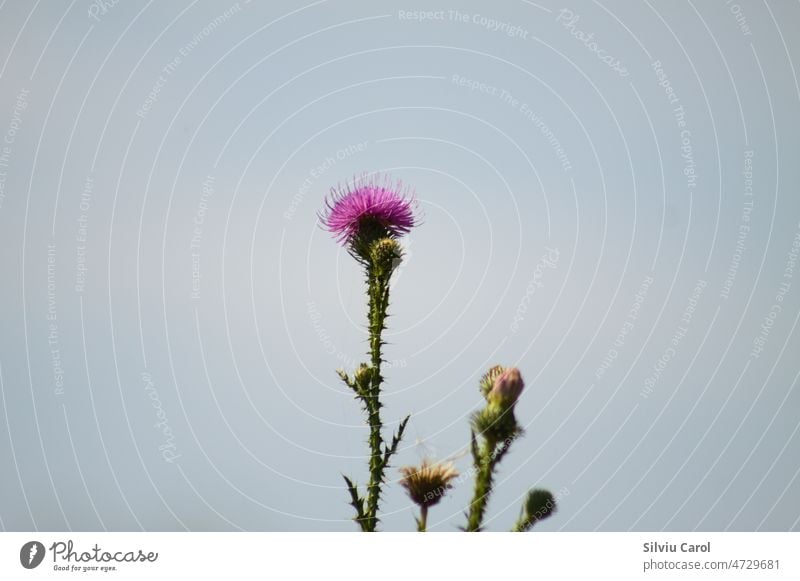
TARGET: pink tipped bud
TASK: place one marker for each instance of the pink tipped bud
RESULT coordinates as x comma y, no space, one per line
507,387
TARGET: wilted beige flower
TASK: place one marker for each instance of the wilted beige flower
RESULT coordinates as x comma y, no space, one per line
427,483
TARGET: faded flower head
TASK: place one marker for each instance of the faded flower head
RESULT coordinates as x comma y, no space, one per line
507,387
370,204
427,483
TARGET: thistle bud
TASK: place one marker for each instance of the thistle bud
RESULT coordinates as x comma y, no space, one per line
496,423
386,254
507,388
362,377
539,505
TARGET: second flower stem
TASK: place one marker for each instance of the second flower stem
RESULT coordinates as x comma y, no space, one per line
484,460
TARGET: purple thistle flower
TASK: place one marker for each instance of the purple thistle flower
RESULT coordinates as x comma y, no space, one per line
364,201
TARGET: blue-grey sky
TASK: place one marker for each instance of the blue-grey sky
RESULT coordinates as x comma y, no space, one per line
609,194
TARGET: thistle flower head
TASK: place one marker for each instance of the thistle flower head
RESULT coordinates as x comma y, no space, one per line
371,206
507,388
427,483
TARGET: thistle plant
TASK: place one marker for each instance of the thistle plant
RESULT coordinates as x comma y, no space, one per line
497,428
368,217
494,429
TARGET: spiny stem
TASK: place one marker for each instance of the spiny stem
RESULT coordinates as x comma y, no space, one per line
378,288
484,464
522,525
357,503
375,462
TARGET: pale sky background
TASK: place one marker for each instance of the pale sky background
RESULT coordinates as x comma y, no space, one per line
559,192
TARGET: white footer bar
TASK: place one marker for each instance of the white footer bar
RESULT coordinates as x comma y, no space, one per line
400,556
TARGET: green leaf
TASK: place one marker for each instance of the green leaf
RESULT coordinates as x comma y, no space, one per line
392,450
356,502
